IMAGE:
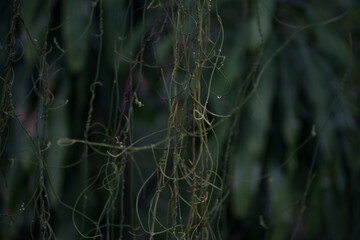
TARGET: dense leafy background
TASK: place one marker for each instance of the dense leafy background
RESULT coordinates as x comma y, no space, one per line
288,155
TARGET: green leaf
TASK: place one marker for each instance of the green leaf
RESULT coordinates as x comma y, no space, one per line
78,17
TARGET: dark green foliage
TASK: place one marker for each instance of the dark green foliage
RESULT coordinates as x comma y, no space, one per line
179,119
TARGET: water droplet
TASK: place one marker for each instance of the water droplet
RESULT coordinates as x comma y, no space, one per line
218,97
85,196
45,196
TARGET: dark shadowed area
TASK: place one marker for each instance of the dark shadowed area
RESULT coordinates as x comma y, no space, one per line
180,119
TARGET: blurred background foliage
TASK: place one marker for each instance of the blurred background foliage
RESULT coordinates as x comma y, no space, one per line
79,70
